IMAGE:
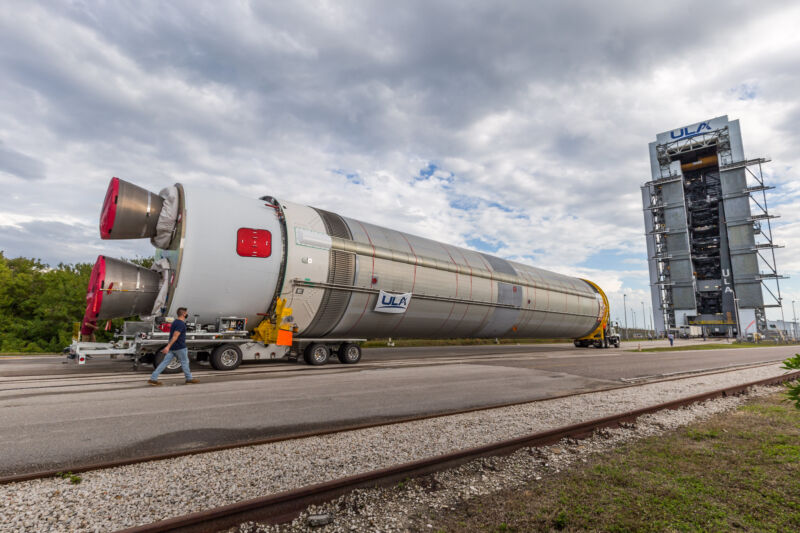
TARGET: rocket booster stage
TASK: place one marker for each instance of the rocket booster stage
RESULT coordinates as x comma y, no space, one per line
221,255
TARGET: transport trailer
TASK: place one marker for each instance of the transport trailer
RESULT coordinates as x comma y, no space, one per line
224,346
142,341
314,282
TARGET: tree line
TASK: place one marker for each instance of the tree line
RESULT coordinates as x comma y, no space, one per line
40,304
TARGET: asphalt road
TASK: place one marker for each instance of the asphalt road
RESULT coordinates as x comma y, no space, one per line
55,415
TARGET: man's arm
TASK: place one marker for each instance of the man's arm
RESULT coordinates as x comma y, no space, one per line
172,341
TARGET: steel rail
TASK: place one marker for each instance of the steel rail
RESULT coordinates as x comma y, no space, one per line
77,469
284,506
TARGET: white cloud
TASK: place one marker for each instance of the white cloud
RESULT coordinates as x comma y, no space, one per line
538,117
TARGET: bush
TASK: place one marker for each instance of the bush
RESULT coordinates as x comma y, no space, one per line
39,304
793,389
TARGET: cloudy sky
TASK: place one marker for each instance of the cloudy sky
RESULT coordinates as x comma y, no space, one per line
516,128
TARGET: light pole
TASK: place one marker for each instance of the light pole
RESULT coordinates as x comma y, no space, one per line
794,321
738,329
633,317
644,318
783,318
625,311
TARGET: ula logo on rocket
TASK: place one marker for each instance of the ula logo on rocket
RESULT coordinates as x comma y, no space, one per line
686,132
392,303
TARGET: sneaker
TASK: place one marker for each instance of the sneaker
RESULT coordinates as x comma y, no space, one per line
191,381
154,382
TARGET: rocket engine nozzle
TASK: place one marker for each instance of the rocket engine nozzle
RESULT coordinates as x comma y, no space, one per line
119,289
129,212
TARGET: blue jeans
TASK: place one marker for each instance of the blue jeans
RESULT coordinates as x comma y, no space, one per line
183,356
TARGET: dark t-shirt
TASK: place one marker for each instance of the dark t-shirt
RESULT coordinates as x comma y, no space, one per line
178,325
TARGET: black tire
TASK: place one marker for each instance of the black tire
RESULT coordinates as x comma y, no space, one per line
173,367
316,354
226,357
577,344
349,353
616,344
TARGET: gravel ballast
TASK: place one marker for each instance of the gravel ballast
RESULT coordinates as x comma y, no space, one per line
407,506
143,493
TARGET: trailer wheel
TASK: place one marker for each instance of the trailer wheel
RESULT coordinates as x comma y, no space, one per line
316,354
577,344
349,353
226,357
173,367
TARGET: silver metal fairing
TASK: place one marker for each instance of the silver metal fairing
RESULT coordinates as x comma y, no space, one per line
455,292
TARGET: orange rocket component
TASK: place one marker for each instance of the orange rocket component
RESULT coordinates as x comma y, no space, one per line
703,162
284,337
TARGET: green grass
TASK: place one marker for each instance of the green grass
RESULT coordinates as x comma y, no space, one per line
75,479
401,343
702,434
736,471
711,346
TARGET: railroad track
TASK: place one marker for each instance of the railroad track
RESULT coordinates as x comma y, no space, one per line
77,469
284,506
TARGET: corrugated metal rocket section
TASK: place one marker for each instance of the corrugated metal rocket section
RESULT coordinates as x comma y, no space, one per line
454,292
341,272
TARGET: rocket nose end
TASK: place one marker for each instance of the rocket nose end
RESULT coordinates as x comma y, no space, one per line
129,212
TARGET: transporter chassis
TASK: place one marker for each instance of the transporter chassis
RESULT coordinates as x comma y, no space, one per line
222,350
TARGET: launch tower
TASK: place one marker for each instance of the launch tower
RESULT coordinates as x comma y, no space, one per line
709,237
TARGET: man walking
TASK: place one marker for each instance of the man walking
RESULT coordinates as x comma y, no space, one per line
177,343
